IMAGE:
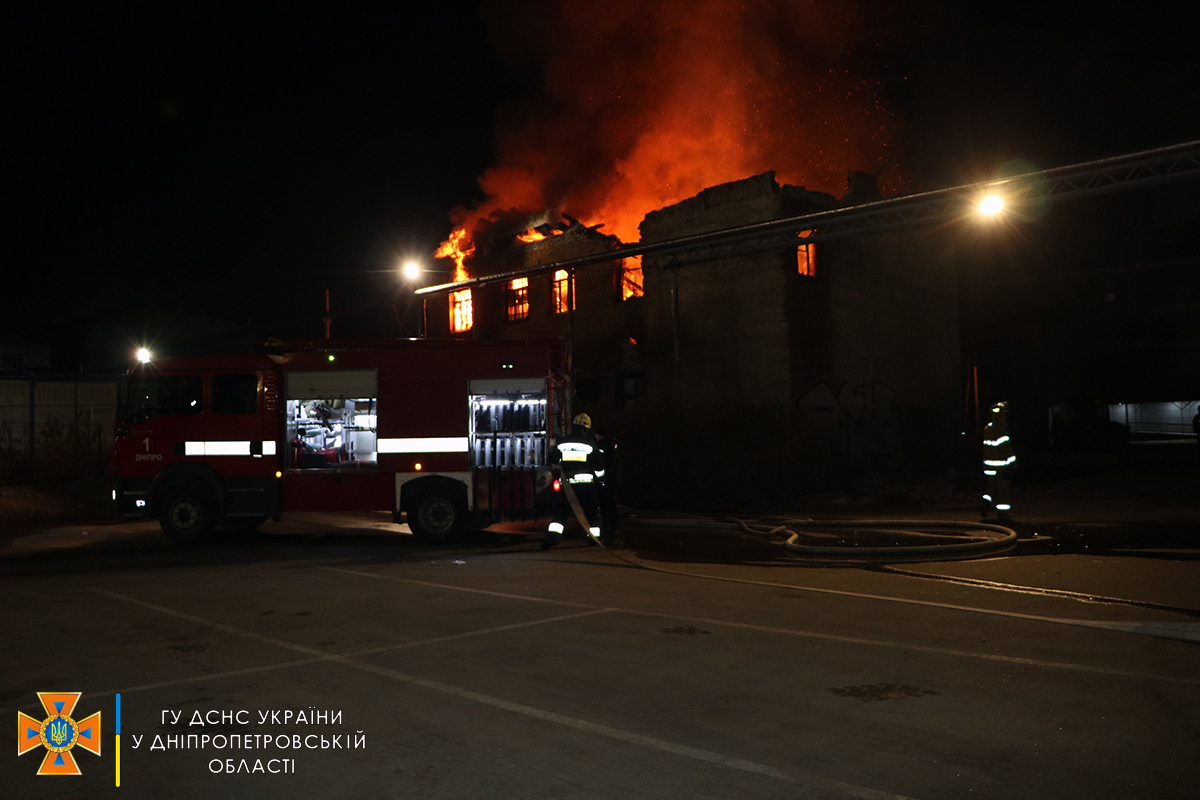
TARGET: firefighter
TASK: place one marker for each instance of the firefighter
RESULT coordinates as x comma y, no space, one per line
999,463
608,489
581,466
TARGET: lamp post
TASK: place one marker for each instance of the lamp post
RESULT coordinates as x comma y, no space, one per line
411,272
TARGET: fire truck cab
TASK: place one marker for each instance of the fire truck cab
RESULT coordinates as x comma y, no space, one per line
445,434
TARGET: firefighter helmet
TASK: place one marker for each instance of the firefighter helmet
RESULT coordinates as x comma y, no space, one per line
584,420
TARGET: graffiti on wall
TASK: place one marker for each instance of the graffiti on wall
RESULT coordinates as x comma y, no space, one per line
858,422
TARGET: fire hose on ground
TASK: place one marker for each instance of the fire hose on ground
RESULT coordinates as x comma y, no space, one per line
989,540
939,540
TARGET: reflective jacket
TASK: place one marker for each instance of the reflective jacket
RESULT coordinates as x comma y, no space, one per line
997,448
579,457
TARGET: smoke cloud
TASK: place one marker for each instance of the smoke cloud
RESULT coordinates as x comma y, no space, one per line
642,103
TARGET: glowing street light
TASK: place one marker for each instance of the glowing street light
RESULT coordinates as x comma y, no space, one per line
412,270
991,205
143,355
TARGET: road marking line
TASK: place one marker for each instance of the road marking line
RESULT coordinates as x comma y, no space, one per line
1185,631
321,655
741,764
674,748
459,588
852,639
451,637
912,601
233,673
924,648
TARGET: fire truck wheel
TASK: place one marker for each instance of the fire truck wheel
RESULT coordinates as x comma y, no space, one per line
436,518
188,515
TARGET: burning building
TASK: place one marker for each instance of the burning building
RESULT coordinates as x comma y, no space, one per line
647,120
768,372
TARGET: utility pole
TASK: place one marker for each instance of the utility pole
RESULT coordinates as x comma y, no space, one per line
328,319
570,319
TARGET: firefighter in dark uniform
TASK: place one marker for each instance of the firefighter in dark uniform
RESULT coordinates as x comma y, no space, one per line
999,463
610,451
581,466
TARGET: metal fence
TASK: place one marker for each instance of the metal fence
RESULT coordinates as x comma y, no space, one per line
1168,419
56,424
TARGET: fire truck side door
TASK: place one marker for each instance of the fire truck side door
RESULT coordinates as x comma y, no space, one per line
164,414
238,417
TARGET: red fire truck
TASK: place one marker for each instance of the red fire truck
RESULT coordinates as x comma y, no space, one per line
445,434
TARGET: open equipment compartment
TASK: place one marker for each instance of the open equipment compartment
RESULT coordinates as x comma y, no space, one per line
508,441
331,420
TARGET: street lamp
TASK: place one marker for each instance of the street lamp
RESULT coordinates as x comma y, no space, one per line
991,205
143,355
414,273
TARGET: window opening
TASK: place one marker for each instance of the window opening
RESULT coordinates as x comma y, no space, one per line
558,299
630,277
148,396
461,314
517,299
806,257
234,394
631,389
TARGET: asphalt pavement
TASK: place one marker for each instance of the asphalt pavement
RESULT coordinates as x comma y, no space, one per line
1064,667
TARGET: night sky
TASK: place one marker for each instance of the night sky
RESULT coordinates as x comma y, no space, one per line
235,160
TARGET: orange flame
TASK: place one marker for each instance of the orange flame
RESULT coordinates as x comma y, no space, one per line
648,102
631,278
530,235
462,315
452,248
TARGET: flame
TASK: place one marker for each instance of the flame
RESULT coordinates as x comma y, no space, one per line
561,288
648,102
631,278
462,315
452,248
530,235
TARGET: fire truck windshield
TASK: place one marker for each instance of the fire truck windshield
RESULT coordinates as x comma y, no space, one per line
145,396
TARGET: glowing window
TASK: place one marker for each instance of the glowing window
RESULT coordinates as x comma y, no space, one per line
806,258
517,299
559,292
461,316
630,277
